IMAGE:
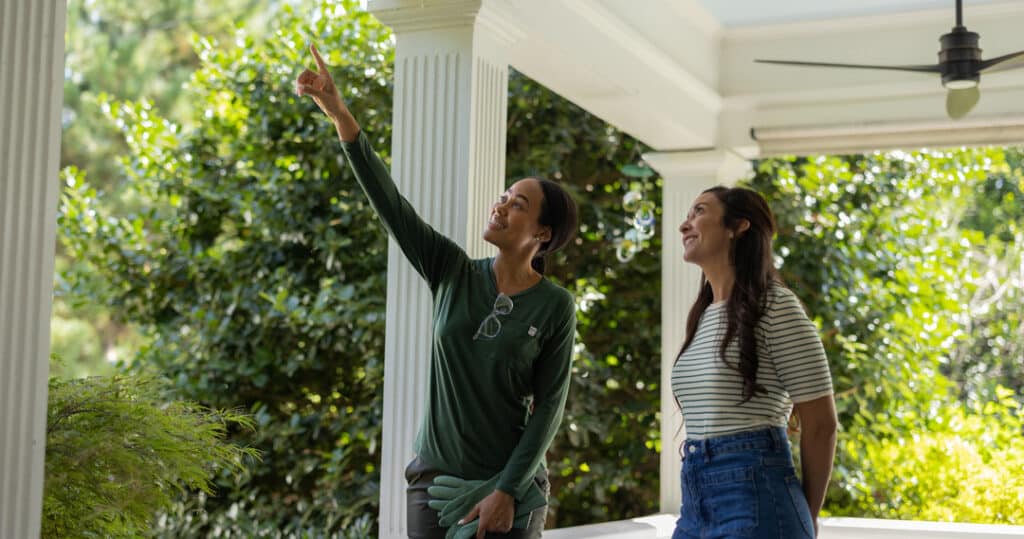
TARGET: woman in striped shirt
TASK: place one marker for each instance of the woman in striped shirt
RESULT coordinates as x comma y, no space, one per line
751,358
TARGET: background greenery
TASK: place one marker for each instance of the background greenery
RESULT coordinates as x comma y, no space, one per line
211,234
911,264
115,49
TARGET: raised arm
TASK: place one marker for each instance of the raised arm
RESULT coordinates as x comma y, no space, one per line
320,86
430,253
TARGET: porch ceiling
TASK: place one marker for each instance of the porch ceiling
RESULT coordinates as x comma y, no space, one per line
679,74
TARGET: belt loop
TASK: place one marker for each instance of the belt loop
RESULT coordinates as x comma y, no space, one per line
777,439
706,447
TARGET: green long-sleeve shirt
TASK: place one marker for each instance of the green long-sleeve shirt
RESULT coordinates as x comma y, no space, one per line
478,420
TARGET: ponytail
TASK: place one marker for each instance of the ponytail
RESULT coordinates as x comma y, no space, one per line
538,264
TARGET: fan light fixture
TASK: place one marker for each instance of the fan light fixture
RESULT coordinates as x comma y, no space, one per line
960,66
962,84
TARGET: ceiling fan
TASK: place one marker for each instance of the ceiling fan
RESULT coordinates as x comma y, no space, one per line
960,65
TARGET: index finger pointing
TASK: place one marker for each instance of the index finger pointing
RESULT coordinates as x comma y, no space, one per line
320,64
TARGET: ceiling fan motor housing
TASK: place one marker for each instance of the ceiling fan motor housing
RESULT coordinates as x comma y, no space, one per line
960,58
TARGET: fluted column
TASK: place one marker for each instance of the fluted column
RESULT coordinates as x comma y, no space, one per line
31,84
685,175
448,158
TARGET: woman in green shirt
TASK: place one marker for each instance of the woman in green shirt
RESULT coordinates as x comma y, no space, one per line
501,350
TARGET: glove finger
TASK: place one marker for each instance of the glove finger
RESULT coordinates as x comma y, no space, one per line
451,518
443,493
437,505
457,508
452,514
449,481
467,531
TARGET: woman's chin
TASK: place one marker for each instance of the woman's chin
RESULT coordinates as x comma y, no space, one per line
488,236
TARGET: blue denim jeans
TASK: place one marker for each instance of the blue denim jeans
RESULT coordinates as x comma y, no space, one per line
742,486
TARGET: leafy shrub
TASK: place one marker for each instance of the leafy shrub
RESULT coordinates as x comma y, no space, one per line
964,468
117,453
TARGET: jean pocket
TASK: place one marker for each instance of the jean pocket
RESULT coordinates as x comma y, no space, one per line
689,515
731,496
415,470
801,511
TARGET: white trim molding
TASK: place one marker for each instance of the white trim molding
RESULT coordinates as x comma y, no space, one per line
416,15
872,528
660,526
867,137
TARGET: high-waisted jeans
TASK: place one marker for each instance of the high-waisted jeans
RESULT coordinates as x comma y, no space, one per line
742,486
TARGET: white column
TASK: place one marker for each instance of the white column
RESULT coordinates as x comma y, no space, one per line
448,159
685,175
31,90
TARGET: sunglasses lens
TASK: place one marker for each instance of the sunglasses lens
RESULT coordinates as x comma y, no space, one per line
503,304
490,327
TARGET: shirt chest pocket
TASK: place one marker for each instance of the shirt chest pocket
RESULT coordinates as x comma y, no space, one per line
520,348
521,340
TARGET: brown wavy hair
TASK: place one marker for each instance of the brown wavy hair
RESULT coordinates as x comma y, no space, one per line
750,256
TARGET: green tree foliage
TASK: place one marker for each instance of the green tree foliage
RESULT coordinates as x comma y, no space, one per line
256,268
124,50
875,246
117,452
134,50
994,353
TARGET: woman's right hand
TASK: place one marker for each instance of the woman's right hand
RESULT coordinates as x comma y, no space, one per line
320,86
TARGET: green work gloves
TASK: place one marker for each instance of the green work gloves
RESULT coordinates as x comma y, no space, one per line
453,498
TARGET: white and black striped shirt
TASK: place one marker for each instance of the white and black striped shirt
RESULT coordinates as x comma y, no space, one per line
792,368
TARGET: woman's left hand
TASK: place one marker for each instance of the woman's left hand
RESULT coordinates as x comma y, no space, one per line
496,513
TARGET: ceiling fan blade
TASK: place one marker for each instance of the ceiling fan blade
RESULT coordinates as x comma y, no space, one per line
960,102
1004,62
918,68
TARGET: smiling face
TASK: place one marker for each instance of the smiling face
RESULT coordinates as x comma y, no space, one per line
513,223
705,236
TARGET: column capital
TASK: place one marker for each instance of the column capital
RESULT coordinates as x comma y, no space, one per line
723,165
419,15
413,15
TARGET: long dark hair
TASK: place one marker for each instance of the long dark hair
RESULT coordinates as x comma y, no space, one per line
750,256
558,211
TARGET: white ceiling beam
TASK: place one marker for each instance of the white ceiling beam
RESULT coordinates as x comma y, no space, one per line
856,138
618,61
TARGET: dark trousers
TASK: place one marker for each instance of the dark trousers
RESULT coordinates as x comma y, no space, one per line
422,520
